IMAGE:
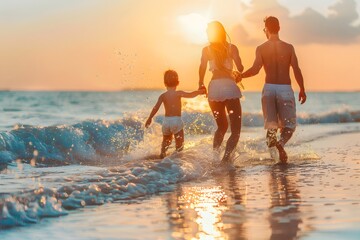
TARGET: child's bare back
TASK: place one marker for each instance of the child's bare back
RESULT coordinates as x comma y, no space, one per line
172,103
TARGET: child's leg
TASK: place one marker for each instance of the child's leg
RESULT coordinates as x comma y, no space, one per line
179,140
165,145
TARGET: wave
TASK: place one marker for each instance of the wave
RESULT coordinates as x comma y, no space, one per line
94,141
137,178
203,122
343,116
85,142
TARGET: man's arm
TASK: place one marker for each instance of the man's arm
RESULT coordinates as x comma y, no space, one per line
298,75
202,67
154,111
191,94
257,65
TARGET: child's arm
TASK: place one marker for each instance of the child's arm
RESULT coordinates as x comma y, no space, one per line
191,94
154,111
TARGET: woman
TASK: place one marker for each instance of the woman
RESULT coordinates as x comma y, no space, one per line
223,91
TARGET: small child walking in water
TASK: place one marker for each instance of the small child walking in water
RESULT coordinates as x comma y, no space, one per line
172,125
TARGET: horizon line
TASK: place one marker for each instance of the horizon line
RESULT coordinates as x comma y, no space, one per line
147,89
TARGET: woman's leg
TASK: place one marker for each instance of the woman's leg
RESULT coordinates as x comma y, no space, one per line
218,110
233,108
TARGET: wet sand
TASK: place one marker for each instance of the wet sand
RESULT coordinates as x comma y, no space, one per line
306,199
317,199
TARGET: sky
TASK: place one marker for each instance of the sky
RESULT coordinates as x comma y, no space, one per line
111,45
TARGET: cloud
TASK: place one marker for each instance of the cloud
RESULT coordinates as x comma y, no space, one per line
310,26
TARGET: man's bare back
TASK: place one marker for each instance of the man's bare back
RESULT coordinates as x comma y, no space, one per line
276,56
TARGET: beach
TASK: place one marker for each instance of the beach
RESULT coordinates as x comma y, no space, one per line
154,120
184,196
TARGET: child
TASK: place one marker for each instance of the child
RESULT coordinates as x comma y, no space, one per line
172,125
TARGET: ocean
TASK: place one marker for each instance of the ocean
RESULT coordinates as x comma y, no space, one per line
75,165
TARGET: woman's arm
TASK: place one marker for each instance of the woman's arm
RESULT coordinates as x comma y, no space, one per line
203,66
236,57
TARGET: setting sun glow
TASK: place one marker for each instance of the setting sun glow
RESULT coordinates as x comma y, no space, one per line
75,45
193,26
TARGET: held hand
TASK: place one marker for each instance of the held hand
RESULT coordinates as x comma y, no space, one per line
203,90
148,122
302,96
237,76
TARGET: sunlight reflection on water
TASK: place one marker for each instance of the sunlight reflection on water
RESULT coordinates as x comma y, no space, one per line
203,207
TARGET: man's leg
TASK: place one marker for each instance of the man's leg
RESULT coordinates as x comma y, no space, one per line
286,134
179,140
270,114
287,116
271,138
165,145
218,110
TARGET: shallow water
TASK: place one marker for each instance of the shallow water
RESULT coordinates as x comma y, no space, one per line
306,199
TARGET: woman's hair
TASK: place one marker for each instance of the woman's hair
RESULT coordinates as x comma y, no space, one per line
218,44
171,78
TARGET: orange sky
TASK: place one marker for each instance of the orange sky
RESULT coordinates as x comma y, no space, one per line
98,45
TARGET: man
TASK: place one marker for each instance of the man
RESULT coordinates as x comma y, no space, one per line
278,101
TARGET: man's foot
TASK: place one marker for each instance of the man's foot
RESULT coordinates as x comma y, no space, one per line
282,154
162,155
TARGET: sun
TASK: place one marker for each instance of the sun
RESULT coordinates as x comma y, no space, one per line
193,26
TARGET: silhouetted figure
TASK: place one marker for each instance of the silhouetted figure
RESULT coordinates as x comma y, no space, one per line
224,95
278,101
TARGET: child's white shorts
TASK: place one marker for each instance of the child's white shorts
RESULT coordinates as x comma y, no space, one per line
172,125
